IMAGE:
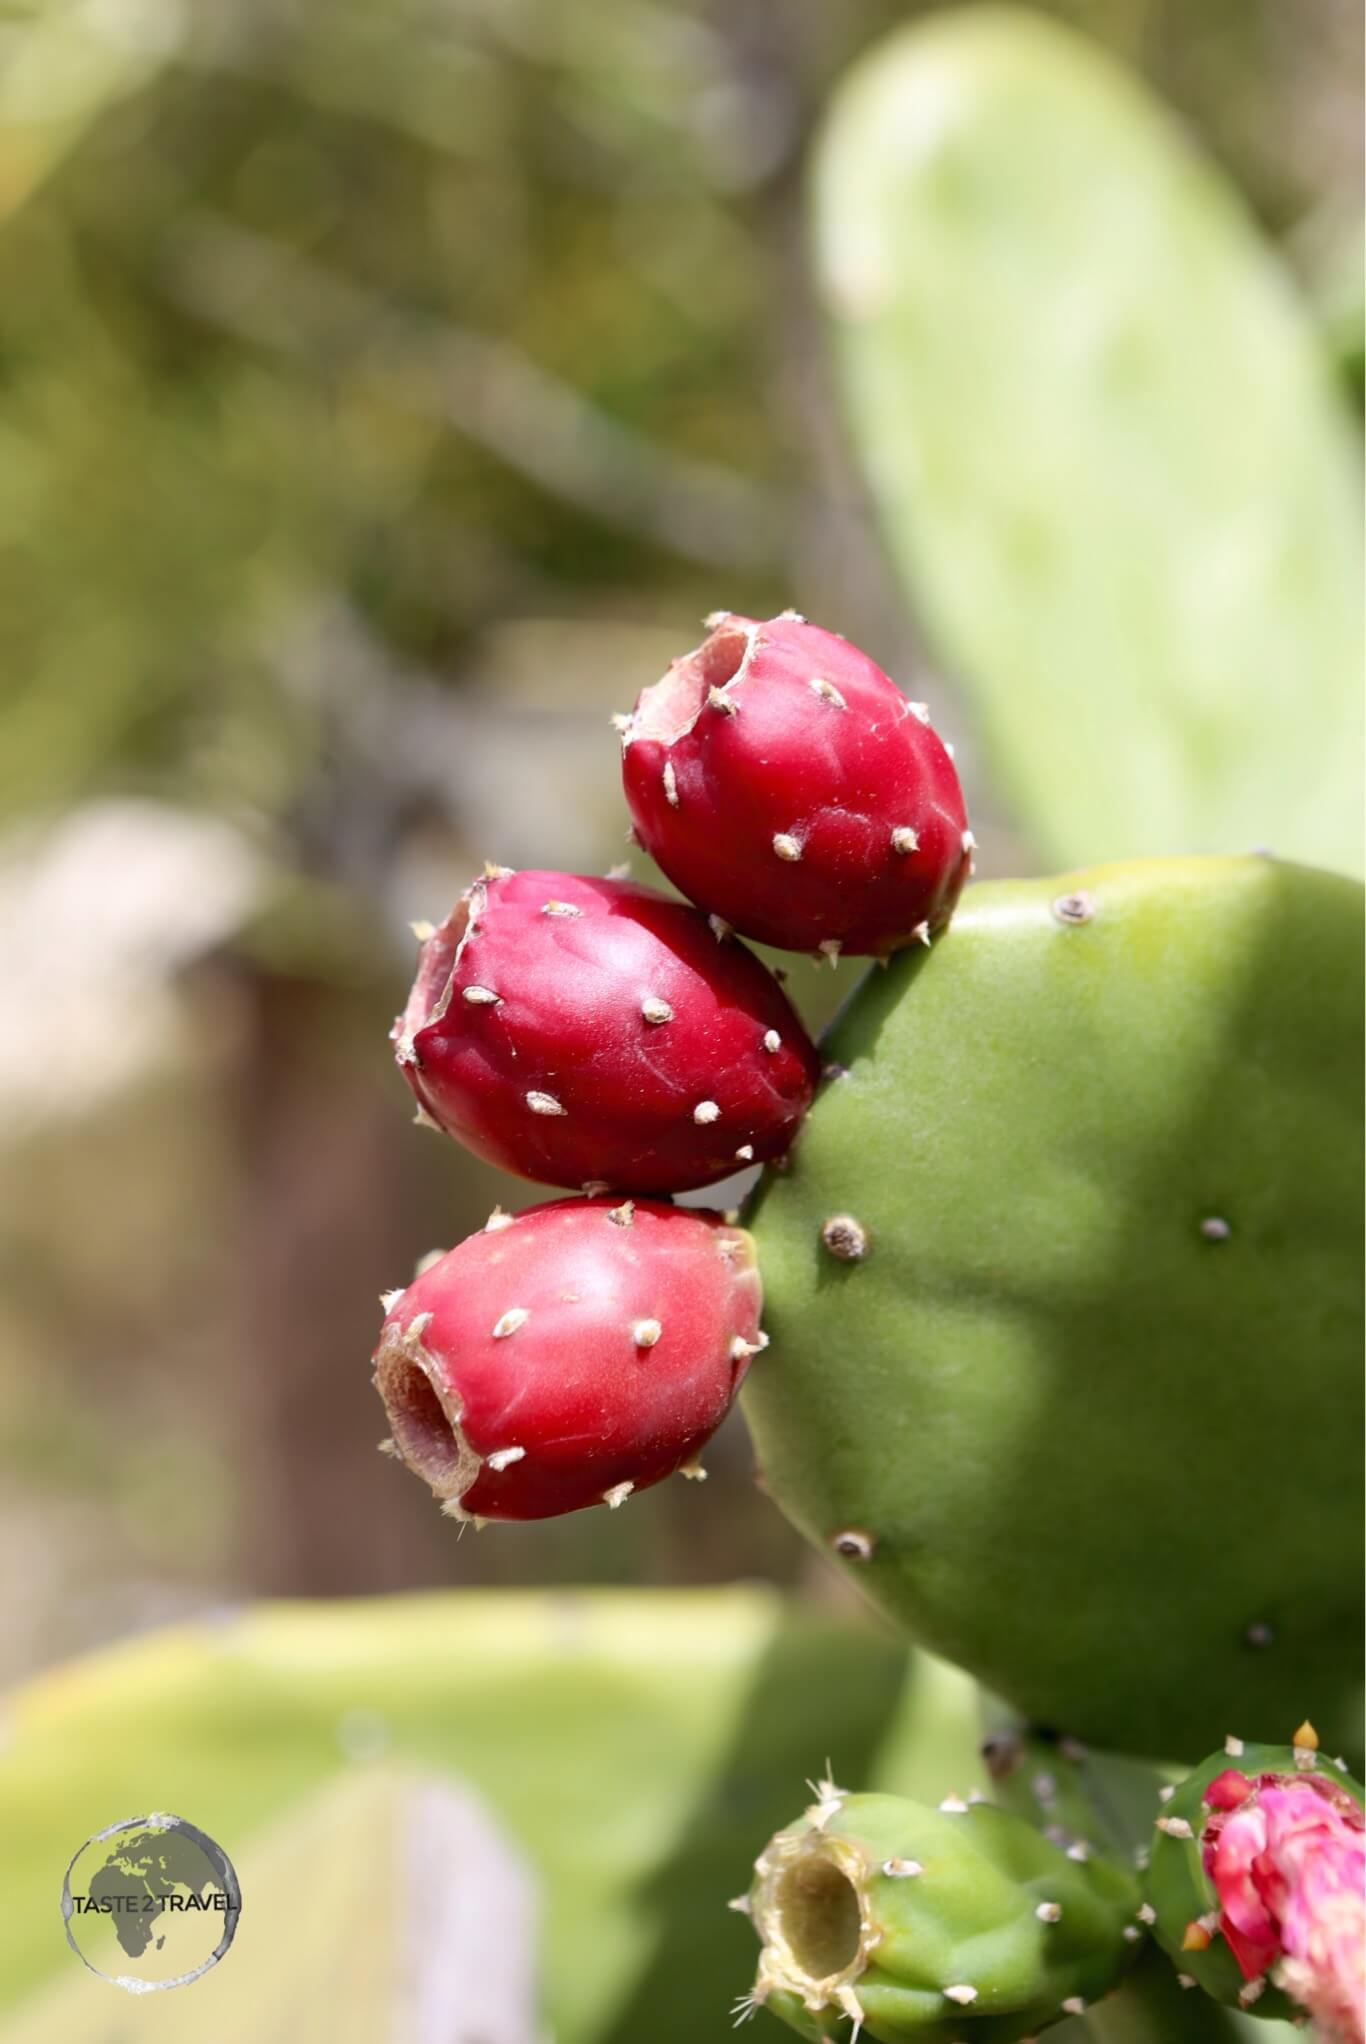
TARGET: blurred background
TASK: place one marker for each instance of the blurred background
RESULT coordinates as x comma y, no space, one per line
385,396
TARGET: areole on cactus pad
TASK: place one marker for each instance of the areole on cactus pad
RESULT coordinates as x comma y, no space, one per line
1085,1413
570,1355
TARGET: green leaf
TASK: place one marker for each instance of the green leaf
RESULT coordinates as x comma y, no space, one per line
1098,428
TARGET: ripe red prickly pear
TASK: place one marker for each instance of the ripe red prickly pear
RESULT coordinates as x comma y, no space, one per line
593,1033
782,780
569,1355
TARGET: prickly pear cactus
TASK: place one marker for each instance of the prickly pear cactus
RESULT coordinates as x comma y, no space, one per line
933,1924
1064,1291
1103,442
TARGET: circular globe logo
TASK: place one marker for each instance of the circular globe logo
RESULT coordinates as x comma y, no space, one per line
151,1902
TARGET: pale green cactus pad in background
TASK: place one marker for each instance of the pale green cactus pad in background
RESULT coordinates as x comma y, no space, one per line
1085,1416
635,1748
1109,459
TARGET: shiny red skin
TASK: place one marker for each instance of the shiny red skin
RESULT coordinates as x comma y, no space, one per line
591,1406
569,1027
771,756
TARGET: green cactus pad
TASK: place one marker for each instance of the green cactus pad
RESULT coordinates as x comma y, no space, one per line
1084,1416
1177,1891
932,1923
1106,450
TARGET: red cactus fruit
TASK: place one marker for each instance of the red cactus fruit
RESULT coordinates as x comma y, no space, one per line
595,1034
569,1355
1287,1856
782,780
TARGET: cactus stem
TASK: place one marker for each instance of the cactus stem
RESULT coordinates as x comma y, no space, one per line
515,1317
646,1333
543,1103
617,1495
503,1458
706,1111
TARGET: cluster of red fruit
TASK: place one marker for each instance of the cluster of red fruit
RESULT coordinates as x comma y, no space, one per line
596,1034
